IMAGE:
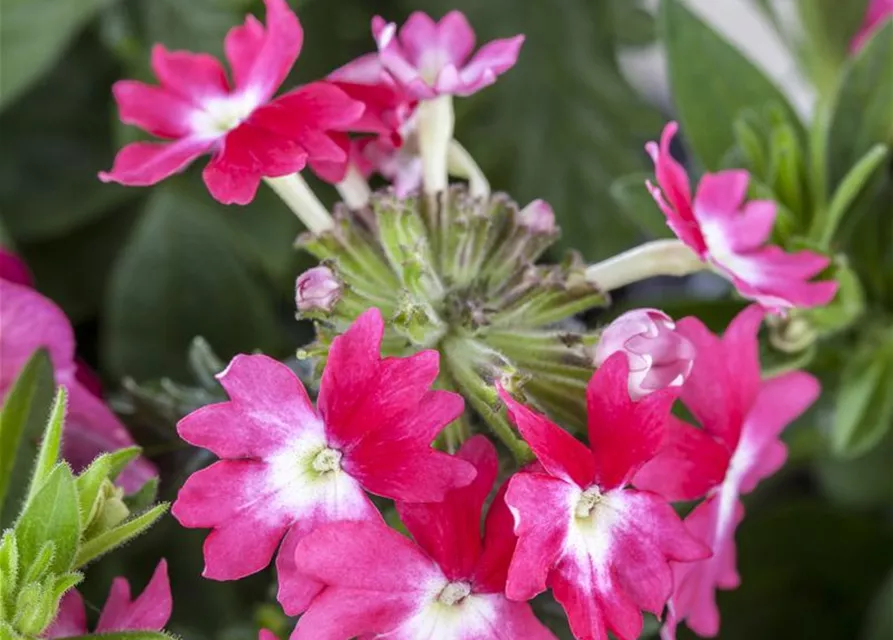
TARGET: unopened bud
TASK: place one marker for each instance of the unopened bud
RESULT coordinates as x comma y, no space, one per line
658,356
317,289
537,217
112,510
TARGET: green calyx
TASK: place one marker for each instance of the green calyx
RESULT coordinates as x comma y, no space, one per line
460,275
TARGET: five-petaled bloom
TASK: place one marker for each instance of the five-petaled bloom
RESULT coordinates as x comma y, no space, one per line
448,585
604,549
430,58
731,235
288,468
248,134
658,355
742,417
150,611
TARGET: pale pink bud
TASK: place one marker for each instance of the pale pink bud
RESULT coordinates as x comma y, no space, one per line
317,289
658,356
537,217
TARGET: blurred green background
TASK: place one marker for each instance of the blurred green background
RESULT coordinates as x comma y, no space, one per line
140,272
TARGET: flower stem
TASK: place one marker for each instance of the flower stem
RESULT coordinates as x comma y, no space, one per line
354,189
300,198
656,258
435,128
462,165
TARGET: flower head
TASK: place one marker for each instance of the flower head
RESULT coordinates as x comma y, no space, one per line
29,321
288,468
430,58
604,549
878,11
248,135
731,235
446,584
317,289
742,417
150,611
658,356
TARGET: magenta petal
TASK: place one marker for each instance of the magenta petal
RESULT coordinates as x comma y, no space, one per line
753,226
142,164
720,195
491,60
560,453
268,407
71,620
455,37
150,611
419,38
499,546
296,590
195,77
319,106
153,109
365,70
14,270
340,614
242,46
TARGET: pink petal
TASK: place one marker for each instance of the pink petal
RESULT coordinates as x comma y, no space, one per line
242,46
499,546
13,269
296,591
720,195
393,58
780,401
71,620
540,505
141,164
649,516
153,109
263,69
365,70
313,108
418,38
560,453
753,225
591,617
327,170
339,614
150,611
516,621
29,321
266,634
450,531
491,60
690,464
268,407
623,434
455,37
194,77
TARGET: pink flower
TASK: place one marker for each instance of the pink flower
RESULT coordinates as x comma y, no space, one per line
537,217
317,289
730,234
248,135
288,469
878,11
742,417
29,321
430,58
658,356
149,612
448,584
602,548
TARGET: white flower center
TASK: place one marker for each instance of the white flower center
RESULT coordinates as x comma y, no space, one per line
587,502
454,593
326,460
222,114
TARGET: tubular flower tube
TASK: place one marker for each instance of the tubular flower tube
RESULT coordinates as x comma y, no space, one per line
248,134
287,468
741,417
602,548
446,584
731,234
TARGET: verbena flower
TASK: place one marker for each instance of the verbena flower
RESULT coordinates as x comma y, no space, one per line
447,583
29,321
603,548
731,234
149,611
248,134
288,468
741,417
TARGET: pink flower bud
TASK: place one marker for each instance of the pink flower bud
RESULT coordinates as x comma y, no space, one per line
658,356
537,217
317,289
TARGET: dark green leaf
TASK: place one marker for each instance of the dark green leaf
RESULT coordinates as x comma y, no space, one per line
862,116
862,482
183,274
108,540
631,195
33,35
879,625
51,516
712,82
22,421
50,444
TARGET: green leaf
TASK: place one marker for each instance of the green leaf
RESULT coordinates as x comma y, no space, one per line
829,27
21,422
50,443
105,542
185,273
563,124
712,83
633,198
51,515
33,35
864,401
143,497
879,624
862,116
89,483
